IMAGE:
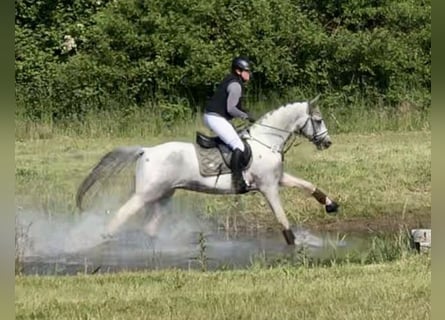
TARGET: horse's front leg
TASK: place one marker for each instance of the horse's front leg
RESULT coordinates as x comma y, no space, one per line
273,198
288,180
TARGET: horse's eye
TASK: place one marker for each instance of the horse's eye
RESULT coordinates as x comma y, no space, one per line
317,118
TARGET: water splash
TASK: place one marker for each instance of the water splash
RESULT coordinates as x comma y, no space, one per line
76,240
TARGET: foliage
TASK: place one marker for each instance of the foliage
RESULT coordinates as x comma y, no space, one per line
137,53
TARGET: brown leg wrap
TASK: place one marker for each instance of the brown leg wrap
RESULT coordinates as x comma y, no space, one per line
319,195
289,236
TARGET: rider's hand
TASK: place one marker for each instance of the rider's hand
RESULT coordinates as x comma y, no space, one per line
250,118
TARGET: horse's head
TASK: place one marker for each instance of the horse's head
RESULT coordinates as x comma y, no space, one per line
313,127
275,127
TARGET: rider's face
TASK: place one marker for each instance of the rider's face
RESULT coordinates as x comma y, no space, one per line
245,75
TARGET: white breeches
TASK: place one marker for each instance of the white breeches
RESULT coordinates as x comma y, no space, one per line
224,130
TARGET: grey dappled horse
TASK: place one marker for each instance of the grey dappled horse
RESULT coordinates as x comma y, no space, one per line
162,168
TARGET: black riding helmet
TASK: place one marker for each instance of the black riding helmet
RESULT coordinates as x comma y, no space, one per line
240,63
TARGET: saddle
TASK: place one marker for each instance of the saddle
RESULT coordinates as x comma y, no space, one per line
214,155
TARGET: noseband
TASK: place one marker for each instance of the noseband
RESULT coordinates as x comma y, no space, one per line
316,135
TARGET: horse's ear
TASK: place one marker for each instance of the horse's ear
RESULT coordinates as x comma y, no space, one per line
314,101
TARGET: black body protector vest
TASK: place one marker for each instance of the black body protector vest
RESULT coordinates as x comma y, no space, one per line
218,103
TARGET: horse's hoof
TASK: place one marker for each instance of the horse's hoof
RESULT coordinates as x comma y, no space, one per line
289,236
332,208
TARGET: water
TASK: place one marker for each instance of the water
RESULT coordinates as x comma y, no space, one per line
66,245
133,250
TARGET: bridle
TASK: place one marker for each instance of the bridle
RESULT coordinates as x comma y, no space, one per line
316,135
292,135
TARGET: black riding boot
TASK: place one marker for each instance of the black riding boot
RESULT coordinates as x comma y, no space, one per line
237,166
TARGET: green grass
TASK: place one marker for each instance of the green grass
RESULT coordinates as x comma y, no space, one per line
354,114
378,169
396,290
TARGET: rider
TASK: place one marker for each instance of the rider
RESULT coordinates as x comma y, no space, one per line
225,105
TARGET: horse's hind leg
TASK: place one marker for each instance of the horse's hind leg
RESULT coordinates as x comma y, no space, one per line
160,208
288,180
133,205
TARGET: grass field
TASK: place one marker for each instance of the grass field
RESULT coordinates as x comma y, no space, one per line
396,290
380,174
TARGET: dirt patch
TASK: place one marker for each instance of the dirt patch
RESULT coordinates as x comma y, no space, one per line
381,224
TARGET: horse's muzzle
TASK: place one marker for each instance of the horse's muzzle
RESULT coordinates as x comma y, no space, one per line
327,144
324,144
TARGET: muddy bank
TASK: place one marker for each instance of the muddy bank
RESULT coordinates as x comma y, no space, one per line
386,223
373,225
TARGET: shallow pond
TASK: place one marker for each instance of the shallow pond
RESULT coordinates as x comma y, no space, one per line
61,247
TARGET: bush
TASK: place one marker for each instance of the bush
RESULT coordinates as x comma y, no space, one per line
131,52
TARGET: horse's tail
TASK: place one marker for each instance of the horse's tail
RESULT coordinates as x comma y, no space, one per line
110,164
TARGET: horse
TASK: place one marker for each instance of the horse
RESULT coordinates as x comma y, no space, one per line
163,168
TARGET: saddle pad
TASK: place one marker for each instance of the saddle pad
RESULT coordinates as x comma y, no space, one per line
211,162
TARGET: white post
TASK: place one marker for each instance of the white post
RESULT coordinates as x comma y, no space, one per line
421,239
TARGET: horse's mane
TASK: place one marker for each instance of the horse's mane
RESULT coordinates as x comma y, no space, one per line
271,114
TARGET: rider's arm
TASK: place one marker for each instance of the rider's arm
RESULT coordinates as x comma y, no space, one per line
234,94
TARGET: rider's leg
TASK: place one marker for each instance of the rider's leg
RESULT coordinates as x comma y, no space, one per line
224,130
237,165
228,134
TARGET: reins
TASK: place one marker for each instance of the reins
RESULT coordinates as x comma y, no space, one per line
292,136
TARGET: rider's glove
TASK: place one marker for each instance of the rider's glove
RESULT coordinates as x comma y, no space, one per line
250,118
